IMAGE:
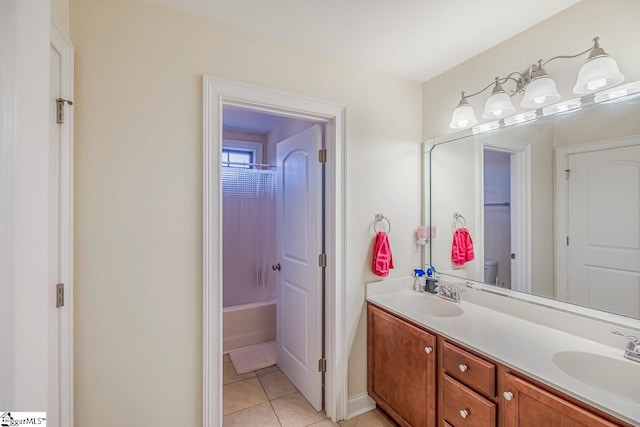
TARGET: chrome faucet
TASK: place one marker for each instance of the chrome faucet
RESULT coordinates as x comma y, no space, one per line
632,351
448,292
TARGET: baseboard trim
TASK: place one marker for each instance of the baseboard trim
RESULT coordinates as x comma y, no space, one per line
359,404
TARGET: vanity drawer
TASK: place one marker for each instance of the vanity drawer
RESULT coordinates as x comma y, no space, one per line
469,369
462,407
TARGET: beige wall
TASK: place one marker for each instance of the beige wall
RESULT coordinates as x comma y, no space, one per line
569,32
138,210
455,167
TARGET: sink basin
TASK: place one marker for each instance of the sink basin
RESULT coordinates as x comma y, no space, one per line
618,376
427,305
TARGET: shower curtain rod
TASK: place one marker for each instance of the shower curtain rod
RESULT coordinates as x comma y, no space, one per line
498,204
262,165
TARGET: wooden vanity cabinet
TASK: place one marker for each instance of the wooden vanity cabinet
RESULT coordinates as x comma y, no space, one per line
401,368
526,405
469,390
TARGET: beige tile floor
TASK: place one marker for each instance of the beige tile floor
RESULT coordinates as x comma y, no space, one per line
266,398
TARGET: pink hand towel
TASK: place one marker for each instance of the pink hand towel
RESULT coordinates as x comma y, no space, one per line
382,258
462,247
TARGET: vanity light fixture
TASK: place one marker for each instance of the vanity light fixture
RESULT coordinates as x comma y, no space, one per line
600,71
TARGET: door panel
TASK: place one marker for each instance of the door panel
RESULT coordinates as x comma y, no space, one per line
295,199
294,327
299,326
604,233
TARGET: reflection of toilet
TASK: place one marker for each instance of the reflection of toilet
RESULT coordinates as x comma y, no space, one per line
490,271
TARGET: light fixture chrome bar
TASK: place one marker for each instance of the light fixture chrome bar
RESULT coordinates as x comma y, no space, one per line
615,94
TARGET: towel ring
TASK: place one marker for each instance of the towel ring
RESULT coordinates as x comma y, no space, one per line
380,218
458,218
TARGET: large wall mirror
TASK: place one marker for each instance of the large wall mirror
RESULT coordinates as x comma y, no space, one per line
552,205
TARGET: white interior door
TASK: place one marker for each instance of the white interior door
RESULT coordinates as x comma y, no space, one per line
603,255
299,292
60,329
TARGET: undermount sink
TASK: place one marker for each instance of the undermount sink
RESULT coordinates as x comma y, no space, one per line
617,376
428,305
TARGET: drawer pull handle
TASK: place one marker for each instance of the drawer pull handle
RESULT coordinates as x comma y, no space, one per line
428,349
463,367
464,413
508,395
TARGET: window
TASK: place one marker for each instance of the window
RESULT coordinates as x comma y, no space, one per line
238,158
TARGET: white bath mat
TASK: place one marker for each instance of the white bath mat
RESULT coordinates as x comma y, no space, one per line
253,358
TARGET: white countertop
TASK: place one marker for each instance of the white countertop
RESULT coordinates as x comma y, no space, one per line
520,344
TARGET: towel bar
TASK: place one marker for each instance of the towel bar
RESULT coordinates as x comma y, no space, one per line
380,218
456,217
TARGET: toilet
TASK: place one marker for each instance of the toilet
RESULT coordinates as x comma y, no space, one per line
490,271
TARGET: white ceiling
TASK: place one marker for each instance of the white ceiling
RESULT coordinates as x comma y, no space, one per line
415,39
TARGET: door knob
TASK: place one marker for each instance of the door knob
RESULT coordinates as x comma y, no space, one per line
508,395
464,413
276,267
428,349
462,367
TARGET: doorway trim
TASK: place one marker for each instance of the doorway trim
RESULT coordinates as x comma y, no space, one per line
216,93
521,196
7,194
61,43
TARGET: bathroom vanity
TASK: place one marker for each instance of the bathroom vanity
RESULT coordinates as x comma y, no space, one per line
432,362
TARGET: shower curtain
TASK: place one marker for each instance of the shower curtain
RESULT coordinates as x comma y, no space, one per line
248,236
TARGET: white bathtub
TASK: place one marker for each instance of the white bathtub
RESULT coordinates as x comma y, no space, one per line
249,324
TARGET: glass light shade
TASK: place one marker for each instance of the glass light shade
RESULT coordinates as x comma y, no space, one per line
463,117
498,105
598,73
540,92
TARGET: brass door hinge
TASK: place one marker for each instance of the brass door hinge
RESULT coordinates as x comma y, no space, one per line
60,109
60,295
322,155
322,260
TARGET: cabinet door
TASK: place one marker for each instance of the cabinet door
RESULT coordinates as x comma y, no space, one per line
401,369
526,405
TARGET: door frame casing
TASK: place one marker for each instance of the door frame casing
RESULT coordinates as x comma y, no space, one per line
216,93
562,200
521,204
61,43
7,193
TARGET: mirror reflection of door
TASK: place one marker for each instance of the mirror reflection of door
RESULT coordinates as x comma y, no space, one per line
603,240
507,184
498,253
